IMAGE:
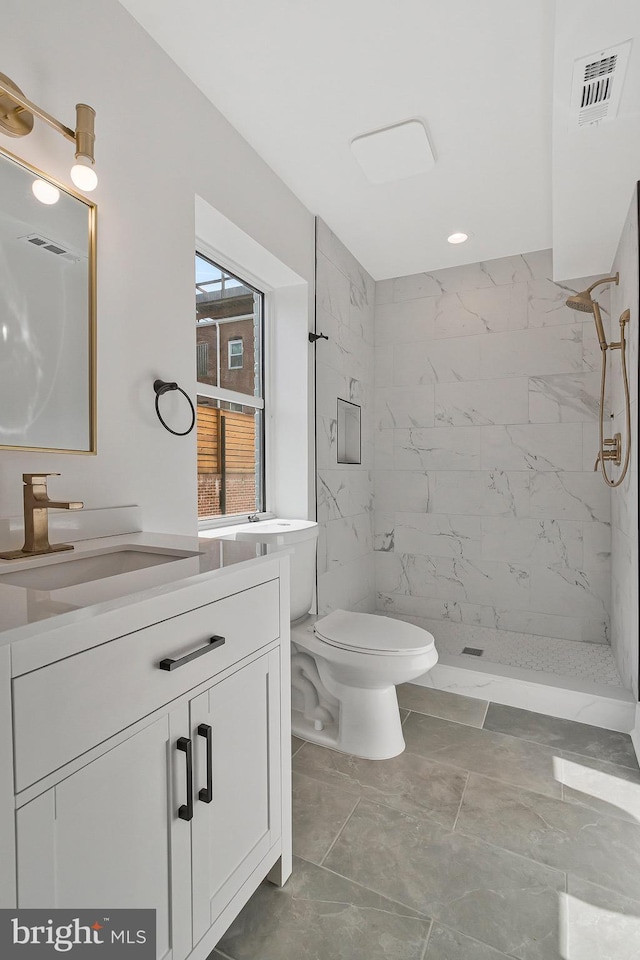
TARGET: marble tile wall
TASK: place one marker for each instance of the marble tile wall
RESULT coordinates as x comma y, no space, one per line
344,369
487,510
624,499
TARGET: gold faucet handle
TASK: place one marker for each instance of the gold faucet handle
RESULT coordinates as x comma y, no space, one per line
31,478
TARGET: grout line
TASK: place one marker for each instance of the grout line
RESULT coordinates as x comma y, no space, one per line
461,723
426,942
495,779
381,801
600,886
298,749
414,815
537,743
464,790
549,796
470,837
413,914
339,834
469,936
513,853
484,719
564,749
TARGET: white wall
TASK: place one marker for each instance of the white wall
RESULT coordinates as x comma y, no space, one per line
159,144
624,499
488,513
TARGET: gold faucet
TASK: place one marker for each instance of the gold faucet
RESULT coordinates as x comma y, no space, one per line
36,518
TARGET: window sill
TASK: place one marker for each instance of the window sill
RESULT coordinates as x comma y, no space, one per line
224,526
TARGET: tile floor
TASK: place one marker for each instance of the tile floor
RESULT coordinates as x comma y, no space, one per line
498,833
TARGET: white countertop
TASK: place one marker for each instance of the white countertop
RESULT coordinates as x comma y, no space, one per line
27,612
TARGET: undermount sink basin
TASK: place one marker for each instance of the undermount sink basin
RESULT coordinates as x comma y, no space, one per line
71,572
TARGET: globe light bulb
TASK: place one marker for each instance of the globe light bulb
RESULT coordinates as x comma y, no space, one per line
45,192
84,176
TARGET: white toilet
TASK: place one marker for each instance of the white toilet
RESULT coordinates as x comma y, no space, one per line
345,666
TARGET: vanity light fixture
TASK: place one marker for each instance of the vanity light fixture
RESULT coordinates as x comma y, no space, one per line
458,237
17,118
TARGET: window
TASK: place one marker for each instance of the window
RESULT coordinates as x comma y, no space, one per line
235,354
202,359
230,414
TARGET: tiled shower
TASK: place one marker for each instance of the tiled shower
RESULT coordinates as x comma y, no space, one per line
475,511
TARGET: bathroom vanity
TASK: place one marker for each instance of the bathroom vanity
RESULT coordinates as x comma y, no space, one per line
144,732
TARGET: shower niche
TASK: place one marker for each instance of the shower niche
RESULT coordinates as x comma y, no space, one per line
349,432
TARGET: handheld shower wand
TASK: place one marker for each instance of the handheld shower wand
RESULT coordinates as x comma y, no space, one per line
586,304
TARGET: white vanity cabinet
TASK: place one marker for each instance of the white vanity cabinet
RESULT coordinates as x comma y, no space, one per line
233,833
161,787
100,837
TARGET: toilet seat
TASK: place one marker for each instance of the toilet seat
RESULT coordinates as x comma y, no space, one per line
372,633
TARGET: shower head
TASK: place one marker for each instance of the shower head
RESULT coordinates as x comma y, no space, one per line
581,301
584,303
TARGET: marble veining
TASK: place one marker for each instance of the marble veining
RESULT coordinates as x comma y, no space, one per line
498,834
564,398
624,567
476,505
345,299
489,515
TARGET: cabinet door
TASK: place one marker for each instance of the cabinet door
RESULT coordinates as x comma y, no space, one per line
232,833
108,837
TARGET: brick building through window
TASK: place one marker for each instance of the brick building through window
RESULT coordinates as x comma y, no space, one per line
228,360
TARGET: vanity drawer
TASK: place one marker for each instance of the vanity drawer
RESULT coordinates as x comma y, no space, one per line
64,709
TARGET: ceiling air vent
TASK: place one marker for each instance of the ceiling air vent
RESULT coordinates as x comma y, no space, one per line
64,253
394,153
597,86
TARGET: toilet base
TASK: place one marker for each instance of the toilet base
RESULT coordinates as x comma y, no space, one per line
369,724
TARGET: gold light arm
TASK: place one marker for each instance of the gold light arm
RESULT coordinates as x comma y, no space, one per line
17,113
23,104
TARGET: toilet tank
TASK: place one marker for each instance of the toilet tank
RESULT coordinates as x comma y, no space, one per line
301,536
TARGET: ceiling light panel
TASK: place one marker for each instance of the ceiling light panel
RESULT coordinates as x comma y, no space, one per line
394,153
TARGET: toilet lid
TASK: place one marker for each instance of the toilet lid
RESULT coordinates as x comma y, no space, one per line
372,632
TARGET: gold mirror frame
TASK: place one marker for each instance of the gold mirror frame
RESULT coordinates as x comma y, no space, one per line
92,212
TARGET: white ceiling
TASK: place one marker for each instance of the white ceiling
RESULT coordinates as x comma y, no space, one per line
300,80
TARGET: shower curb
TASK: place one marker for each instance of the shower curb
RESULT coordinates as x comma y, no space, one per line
567,698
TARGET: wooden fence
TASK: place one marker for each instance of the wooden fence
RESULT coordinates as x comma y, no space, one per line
239,441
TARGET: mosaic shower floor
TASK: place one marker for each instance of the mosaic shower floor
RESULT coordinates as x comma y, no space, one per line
591,662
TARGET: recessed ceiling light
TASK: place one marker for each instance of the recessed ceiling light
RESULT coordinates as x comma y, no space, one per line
458,237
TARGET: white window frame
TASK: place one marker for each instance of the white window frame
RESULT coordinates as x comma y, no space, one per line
247,400
231,356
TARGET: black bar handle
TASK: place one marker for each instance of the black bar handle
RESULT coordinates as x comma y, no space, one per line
185,812
214,641
206,793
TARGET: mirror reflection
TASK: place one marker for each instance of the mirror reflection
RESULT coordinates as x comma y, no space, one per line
47,290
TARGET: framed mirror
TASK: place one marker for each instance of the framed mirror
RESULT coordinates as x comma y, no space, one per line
47,313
